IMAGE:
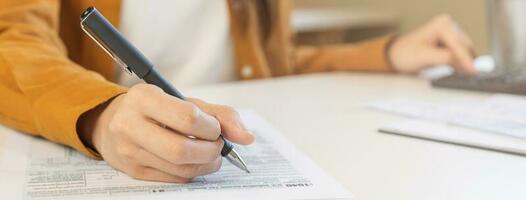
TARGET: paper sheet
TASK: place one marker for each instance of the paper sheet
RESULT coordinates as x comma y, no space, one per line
451,134
501,114
33,168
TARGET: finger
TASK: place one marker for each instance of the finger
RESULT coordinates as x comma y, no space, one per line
459,52
232,127
150,174
186,170
461,35
467,41
174,147
439,56
179,115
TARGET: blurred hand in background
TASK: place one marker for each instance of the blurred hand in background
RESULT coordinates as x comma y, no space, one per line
439,41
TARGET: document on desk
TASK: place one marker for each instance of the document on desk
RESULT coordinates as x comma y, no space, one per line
497,123
501,114
33,168
452,134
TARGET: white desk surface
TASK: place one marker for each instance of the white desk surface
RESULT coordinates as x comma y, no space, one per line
324,116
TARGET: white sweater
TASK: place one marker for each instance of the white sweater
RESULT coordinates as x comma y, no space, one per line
187,40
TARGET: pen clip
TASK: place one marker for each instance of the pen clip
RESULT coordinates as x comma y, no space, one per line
105,48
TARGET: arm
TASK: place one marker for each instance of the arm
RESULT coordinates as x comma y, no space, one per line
439,41
365,56
282,52
44,92
142,132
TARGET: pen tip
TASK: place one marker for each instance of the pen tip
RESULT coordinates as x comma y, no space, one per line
237,161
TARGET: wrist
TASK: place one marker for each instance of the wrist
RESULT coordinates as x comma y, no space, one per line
87,123
389,52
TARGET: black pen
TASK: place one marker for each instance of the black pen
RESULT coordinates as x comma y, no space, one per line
132,60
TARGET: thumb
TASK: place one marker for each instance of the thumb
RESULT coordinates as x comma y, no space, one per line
440,56
435,56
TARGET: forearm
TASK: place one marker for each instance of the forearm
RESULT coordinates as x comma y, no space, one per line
45,92
370,56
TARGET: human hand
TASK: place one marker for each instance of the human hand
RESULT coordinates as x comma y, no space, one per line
129,133
439,41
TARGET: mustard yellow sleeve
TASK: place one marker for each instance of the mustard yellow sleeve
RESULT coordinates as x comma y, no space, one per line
43,92
367,56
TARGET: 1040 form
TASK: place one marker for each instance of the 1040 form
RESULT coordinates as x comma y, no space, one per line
33,168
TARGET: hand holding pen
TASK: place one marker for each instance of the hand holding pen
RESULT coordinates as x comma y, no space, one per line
129,131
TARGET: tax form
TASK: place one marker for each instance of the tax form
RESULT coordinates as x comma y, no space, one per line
33,168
